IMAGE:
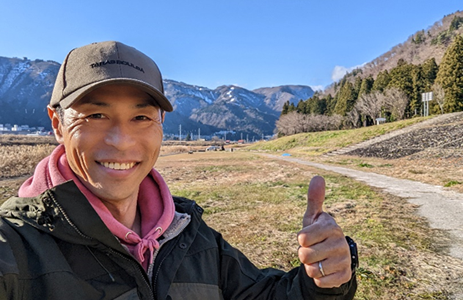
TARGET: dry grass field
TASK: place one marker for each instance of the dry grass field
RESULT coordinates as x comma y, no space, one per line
257,203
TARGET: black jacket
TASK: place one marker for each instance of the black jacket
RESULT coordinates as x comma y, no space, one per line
55,246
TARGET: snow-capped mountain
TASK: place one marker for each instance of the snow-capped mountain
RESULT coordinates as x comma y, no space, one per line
186,98
26,86
275,97
25,89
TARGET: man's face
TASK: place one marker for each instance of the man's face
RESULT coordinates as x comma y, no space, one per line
112,138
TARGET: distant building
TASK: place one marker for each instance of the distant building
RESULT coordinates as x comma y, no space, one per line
22,129
380,121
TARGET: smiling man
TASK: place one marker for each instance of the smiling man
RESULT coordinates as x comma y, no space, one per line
97,221
112,138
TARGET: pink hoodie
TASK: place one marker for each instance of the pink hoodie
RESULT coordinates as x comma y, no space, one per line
154,202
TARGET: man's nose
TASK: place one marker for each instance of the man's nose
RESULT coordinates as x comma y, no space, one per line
120,136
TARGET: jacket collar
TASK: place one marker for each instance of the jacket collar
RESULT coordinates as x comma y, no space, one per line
63,212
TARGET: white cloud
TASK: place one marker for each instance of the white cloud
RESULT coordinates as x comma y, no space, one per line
340,71
317,87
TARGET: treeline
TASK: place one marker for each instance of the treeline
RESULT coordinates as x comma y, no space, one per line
394,94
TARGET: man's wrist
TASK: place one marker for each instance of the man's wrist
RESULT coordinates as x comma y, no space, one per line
353,254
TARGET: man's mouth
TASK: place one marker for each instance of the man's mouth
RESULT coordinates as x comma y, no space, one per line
118,166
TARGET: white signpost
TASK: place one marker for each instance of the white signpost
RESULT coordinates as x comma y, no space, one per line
426,97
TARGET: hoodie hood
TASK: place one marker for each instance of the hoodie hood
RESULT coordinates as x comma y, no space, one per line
71,219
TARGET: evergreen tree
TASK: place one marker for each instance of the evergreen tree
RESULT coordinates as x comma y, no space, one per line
322,106
330,105
402,78
285,109
367,85
291,108
418,89
312,105
301,107
345,99
456,23
450,76
419,37
316,106
381,82
430,70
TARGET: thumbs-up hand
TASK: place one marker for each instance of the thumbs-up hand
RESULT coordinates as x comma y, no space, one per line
323,248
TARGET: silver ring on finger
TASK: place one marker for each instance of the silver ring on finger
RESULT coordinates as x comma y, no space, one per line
320,267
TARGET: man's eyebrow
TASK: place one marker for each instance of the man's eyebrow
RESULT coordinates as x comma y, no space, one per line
149,102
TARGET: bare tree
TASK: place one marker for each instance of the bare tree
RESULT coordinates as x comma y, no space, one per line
322,122
352,118
395,101
333,122
294,122
314,123
439,96
289,124
370,104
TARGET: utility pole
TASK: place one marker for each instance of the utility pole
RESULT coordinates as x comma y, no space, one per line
180,132
199,133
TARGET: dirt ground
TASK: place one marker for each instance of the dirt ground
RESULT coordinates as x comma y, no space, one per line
429,152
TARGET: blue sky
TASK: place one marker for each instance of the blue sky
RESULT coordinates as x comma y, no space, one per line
250,43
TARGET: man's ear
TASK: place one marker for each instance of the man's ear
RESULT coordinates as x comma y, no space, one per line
55,123
163,116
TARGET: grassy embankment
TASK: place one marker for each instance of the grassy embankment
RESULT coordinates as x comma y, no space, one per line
316,143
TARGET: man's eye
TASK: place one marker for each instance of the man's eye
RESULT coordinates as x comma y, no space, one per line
141,118
96,116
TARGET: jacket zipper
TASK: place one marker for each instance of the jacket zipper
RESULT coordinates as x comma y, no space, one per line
163,245
110,250
157,272
67,218
138,269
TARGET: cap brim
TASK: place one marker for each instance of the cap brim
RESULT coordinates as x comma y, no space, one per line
158,96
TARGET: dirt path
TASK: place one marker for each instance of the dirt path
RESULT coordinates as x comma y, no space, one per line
443,208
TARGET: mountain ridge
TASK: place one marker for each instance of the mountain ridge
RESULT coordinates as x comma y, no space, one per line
26,86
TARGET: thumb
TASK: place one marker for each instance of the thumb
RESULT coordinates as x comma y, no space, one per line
315,198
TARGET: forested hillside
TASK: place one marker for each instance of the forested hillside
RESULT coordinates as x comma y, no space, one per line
391,86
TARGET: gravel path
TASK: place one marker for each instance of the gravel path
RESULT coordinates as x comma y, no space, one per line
443,208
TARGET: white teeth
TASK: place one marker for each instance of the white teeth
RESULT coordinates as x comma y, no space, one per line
118,166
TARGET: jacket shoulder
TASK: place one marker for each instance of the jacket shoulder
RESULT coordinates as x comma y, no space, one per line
7,259
184,205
